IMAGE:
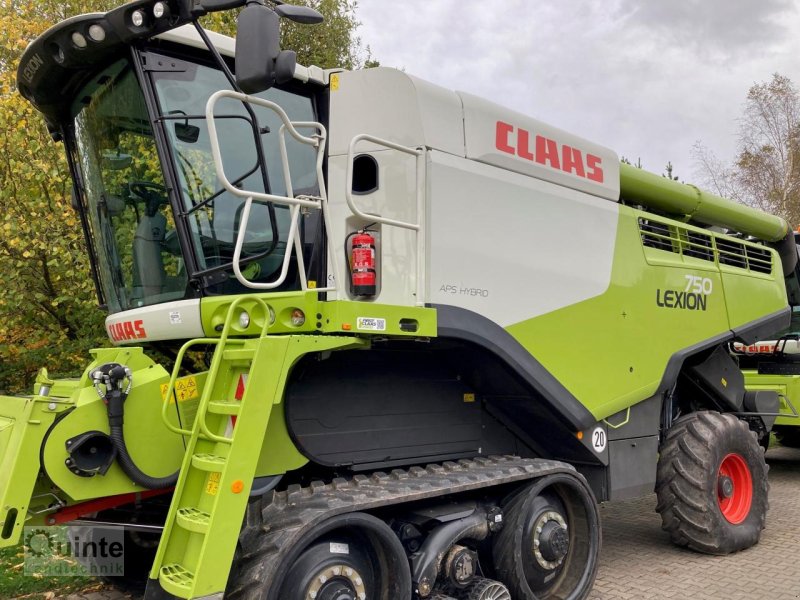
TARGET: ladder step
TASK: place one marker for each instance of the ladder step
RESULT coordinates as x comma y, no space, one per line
238,354
209,462
176,580
224,407
193,519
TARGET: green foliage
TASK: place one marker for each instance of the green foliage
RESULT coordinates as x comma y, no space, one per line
668,172
13,584
48,311
331,44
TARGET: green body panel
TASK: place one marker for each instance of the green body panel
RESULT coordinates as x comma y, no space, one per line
627,316
23,424
279,453
339,316
788,388
700,206
155,449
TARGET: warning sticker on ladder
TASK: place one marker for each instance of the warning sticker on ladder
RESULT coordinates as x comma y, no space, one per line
240,387
212,484
185,389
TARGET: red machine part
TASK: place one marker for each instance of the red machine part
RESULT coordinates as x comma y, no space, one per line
363,277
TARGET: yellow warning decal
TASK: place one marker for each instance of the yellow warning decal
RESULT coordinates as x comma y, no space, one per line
212,484
334,82
469,397
185,389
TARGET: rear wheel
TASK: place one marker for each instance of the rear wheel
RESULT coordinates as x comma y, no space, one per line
712,483
550,541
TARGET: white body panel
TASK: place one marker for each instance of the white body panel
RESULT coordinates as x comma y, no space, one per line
389,104
395,247
511,247
511,140
169,321
499,222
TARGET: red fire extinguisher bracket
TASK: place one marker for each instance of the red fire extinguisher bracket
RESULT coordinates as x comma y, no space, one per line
363,277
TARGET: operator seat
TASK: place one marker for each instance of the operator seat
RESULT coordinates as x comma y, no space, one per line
148,266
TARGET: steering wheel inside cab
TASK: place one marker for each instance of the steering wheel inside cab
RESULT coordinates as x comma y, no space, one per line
154,195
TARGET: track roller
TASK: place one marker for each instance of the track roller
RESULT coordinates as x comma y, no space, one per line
348,557
550,542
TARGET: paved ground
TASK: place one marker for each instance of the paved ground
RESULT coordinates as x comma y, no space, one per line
639,562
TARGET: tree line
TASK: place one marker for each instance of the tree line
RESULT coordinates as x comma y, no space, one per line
48,309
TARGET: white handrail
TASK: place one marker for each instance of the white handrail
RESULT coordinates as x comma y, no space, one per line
349,180
417,227
295,203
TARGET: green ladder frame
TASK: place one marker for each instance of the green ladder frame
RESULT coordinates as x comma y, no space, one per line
201,531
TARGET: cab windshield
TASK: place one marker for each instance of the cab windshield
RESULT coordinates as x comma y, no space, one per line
139,257
213,214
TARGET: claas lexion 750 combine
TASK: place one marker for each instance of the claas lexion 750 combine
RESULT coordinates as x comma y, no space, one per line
372,288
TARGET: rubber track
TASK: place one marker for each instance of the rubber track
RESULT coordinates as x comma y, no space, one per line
277,522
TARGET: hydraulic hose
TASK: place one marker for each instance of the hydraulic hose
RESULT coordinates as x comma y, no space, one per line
112,376
131,470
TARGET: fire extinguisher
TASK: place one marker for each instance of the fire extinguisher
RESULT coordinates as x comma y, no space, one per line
362,264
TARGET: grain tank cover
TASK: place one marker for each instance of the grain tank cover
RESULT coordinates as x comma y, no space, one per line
393,105
513,141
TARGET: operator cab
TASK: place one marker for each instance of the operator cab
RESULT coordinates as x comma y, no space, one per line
160,226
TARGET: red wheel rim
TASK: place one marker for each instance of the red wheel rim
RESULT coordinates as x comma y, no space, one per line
736,506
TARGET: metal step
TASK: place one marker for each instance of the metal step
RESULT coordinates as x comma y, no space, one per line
224,407
209,462
242,355
176,580
192,519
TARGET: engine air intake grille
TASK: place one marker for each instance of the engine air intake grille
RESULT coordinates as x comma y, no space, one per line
732,253
656,235
703,246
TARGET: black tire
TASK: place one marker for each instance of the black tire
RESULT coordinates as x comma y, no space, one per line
373,551
788,436
556,500
696,459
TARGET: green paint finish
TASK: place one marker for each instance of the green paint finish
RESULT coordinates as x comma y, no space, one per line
214,310
155,449
788,388
700,206
644,317
278,454
339,316
217,473
365,318
23,424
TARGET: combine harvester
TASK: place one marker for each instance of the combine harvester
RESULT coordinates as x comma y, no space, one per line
372,287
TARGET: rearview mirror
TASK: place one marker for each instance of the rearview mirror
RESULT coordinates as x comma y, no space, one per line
299,14
186,133
260,64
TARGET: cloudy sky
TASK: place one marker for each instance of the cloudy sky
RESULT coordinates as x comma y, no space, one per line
648,78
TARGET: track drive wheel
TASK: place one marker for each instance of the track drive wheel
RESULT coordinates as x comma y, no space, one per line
550,541
353,556
788,436
712,483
